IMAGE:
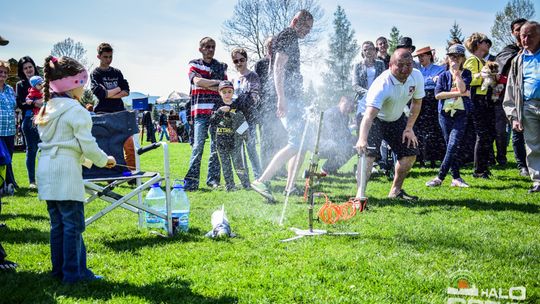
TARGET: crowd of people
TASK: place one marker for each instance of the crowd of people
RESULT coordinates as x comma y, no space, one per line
451,113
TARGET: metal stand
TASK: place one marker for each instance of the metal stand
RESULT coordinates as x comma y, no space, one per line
311,174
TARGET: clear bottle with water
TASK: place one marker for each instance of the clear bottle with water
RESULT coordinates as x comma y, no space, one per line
180,208
155,199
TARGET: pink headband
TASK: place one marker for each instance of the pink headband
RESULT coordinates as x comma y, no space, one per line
69,83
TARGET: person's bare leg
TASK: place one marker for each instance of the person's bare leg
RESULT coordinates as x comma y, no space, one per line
403,166
277,162
291,174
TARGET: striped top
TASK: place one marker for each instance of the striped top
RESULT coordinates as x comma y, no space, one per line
203,99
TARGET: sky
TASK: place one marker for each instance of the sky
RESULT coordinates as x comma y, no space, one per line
154,40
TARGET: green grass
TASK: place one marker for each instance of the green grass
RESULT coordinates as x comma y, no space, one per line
404,253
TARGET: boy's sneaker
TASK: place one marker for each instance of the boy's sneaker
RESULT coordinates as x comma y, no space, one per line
459,182
32,186
263,190
231,188
436,182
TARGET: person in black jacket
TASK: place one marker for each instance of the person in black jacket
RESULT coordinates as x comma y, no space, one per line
149,125
109,86
26,69
337,142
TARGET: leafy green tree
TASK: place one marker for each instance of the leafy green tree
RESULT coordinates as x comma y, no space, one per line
343,48
394,40
514,9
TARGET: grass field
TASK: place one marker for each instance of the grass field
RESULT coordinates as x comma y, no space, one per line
404,253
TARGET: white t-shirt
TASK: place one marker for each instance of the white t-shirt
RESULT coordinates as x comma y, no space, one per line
390,96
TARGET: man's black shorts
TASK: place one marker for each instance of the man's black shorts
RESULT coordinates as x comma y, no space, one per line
392,133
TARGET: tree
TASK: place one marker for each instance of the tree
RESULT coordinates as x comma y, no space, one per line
75,50
394,40
343,48
255,20
455,33
70,48
514,9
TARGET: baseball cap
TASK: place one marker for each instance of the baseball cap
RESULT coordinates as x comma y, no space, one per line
456,49
225,84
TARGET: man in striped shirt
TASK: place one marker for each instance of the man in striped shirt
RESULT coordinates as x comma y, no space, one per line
205,74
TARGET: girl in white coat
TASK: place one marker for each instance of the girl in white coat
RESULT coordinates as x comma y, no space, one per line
65,126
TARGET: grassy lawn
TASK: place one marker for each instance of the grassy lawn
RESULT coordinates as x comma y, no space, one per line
404,253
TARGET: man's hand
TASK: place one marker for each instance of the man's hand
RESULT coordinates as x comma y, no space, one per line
111,162
361,145
281,107
410,137
517,126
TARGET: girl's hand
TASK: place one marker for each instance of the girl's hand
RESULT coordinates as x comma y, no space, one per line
111,162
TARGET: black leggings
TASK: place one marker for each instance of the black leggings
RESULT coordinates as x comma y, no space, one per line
484,128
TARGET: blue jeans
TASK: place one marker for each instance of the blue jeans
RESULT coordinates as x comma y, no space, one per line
68,253
251,145
164,132
31,137
201,126
453,128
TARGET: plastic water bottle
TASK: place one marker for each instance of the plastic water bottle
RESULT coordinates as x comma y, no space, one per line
155,199
180,208
237,90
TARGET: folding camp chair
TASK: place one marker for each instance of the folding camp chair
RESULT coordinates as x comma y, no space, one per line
111,131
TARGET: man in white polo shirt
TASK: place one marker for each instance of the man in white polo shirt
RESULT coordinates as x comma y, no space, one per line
384,117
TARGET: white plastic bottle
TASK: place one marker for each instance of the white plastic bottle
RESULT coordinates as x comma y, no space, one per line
180,208
155,199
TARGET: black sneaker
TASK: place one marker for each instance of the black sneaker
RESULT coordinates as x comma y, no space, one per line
293,191
404,196
484,175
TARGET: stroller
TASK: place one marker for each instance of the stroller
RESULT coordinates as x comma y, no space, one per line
5,160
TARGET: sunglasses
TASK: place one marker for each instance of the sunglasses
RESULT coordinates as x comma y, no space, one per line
236,61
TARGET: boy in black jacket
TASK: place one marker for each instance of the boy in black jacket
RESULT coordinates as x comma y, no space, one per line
230,124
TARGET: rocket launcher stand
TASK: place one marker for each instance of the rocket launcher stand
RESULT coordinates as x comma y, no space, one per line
310,175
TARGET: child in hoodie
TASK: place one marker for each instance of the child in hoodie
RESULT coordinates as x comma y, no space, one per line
65,126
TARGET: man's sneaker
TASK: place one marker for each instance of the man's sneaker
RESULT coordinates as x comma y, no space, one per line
434,182
32,186
459,182
263,190
293,191
405,196
484,175
523,171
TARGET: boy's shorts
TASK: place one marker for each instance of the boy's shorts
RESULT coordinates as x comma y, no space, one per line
294,122
392,133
